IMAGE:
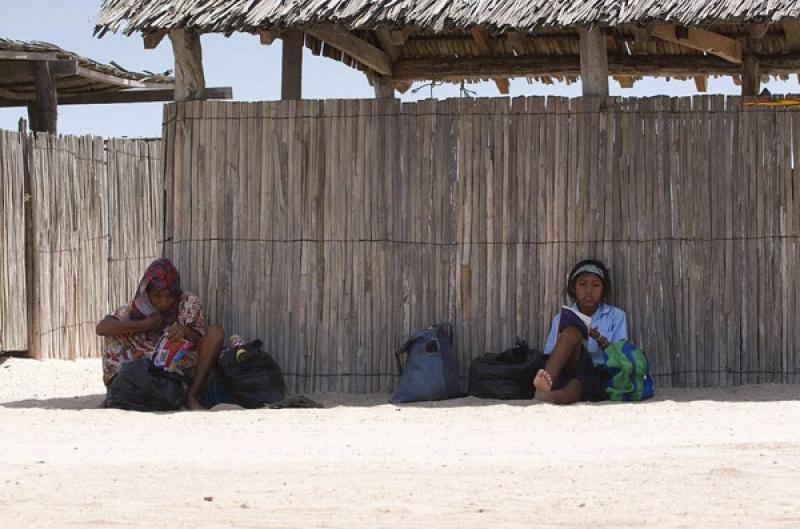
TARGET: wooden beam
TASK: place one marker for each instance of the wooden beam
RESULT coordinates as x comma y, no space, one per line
486,47
153,38
28,55
701,83
594,62
400,36
46,100
402,86
625,81
359,49
791,32
292,65
268,36
482,41
189,77
751,77
517,40
384,37
14,96
122,96
702,40
13,72
643,34
122,82
503,85
758,31
456,69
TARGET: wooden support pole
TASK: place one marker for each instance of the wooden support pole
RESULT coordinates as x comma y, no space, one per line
189,77
751,78
33,116
594,63
292,65
46,106
384,89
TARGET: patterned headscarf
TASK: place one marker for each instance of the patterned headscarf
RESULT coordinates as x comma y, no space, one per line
160,275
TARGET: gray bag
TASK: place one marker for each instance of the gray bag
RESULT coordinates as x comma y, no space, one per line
430,371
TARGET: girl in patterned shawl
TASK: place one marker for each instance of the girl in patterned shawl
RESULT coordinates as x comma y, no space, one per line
158,307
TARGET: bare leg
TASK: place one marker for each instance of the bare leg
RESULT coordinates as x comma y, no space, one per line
572,392
564,354
207,351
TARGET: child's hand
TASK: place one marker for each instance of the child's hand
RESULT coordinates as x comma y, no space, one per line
599,338
177,332
152,322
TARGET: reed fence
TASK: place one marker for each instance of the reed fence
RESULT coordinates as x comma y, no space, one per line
13,307
136,213
94,221
334,229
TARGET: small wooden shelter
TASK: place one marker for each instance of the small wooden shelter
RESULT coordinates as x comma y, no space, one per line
42,76
396,42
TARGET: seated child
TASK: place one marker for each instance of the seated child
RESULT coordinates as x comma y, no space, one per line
160,308
575,364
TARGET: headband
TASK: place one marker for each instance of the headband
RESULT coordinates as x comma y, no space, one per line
588,268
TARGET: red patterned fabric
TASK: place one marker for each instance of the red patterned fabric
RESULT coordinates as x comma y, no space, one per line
160,275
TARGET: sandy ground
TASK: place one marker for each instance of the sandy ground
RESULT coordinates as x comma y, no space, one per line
690,458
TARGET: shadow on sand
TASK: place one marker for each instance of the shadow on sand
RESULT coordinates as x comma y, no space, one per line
78,402
750,393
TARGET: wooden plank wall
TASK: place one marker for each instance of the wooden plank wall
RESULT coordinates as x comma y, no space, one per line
13,308
70,289
135,213
334,229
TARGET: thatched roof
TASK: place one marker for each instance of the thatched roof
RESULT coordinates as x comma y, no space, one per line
74,75
227,16
407,40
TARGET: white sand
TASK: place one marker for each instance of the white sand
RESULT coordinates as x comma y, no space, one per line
712,458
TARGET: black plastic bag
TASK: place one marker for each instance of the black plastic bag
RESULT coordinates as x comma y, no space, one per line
142,386
251,376
508,375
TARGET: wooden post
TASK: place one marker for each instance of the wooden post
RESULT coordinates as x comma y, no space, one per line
594,62
33,116
292,67
384,89
189,77
751,78
46,106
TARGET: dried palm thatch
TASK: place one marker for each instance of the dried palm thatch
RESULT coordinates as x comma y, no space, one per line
435,16
454,40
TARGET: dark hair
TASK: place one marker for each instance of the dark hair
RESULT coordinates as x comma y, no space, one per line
606,280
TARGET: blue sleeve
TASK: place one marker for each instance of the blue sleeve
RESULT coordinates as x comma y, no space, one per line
620,327
553,336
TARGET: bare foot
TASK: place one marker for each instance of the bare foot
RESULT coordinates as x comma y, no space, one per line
192,404
542,382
